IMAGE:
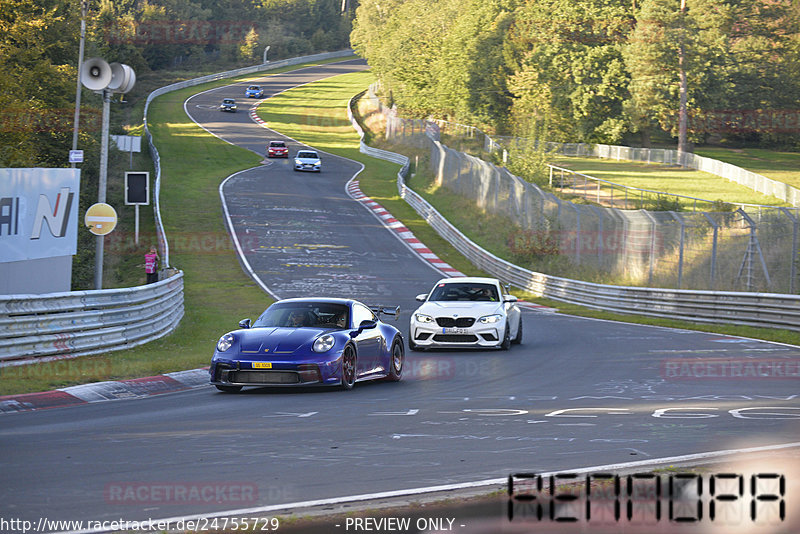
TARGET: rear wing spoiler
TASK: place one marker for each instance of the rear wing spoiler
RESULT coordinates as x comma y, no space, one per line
386,310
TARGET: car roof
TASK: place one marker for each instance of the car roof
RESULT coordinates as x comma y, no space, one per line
326,300
469,280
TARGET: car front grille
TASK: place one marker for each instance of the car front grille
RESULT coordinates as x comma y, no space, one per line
263,377
457,322
455,338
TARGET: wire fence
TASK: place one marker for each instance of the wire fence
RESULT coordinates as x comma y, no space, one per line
750,249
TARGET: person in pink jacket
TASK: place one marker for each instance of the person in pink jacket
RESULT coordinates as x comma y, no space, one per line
151,265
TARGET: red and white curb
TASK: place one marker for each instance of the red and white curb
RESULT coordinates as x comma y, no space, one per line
254,114
135,388
417,246
400,230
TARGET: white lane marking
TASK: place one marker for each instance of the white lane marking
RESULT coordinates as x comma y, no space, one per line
409,412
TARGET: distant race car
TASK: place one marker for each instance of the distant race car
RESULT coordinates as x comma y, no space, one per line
228,104
277,149
307,160
254,91
310,341
466,312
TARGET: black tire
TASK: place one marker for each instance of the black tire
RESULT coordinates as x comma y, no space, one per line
506,344
397,362
348,367
518,338
229,389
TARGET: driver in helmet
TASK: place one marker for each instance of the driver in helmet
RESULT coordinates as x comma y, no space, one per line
297,318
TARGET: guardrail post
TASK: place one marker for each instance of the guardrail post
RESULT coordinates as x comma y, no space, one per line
715,226
652,246
680,252
793,257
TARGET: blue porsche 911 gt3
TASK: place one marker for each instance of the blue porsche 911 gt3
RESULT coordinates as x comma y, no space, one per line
309,341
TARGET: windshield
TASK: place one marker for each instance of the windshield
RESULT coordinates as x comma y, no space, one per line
254,88
465,291
228,101
305,315
308,155
277,144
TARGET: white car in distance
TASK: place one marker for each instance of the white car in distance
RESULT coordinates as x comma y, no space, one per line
467,312
307,160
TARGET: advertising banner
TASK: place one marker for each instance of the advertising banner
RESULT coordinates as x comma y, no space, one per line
38,213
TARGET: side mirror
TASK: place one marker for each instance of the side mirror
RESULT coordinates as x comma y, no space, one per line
365,325
509,298
421,297
244,323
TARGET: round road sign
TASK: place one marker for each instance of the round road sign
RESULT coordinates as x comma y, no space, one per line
100,219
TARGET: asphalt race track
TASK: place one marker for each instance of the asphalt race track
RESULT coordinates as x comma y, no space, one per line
576,393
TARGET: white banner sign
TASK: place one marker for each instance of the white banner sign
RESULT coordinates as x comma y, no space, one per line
38,213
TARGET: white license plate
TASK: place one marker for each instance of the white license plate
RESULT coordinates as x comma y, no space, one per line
455,331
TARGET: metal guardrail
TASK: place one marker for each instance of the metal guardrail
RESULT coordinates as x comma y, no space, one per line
728,307
79,323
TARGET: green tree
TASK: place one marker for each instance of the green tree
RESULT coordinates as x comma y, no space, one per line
568,68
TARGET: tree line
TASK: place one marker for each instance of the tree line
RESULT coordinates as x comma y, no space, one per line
39,42
603,71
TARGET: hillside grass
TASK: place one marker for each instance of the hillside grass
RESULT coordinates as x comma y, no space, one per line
669,179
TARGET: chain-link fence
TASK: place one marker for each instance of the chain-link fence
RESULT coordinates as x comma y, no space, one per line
750,249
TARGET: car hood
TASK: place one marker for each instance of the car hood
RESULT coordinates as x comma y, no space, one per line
460,308
271,340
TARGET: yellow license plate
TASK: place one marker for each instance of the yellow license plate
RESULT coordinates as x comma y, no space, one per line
262,365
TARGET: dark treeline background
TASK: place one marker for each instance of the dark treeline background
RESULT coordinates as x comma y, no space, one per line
591,70
163,40
39,55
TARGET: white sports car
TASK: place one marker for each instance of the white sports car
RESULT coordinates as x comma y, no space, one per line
466,312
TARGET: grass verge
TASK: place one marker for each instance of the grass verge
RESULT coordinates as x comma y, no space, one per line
669,179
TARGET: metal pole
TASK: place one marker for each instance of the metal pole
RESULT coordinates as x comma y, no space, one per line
265,54
101,188
76,121
713,248
680,253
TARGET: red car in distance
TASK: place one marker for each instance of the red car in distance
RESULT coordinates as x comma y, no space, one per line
277,149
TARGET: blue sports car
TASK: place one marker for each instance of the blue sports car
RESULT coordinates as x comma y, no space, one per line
310,341
254,91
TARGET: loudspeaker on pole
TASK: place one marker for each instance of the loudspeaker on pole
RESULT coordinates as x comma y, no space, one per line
123,78
96,74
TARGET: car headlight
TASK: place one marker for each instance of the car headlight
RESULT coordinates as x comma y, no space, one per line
225,342
422,318
489,319
323,343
